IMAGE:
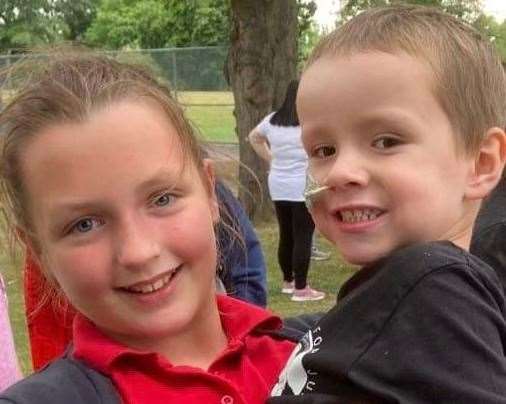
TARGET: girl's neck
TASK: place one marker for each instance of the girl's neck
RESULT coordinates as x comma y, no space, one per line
197,346
200,346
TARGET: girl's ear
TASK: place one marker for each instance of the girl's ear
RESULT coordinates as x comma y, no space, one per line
210,184
489,164
31,250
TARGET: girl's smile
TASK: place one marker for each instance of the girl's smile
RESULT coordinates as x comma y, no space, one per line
156,291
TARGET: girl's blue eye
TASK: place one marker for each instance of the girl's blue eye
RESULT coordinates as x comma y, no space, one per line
386,142
324,151
163,199
85,225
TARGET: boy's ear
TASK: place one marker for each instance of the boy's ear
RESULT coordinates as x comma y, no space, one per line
488,165
210,183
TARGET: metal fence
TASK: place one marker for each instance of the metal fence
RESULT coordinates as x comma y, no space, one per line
185,69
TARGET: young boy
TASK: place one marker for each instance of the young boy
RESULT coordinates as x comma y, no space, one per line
402,112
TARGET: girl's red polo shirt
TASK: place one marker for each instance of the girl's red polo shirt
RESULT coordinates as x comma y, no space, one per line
244,373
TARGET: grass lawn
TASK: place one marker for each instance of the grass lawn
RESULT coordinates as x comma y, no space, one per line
212,112
324,275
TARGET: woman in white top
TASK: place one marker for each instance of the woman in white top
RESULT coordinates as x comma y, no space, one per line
277,139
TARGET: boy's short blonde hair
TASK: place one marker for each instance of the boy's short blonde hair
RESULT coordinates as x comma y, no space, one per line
469,79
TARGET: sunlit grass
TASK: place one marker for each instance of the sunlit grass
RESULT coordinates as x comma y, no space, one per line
212,112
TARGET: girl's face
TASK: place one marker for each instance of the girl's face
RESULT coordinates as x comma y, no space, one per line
125,226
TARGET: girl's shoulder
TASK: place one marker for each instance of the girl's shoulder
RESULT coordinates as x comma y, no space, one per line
66,380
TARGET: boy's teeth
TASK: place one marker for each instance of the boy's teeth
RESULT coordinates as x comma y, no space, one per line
160,283
359,215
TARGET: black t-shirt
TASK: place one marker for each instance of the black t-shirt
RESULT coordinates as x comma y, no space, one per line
424,325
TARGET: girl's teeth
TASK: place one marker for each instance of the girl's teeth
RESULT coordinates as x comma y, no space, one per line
152,287
359,215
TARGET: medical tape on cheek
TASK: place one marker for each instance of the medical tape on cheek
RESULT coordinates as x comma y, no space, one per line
312,191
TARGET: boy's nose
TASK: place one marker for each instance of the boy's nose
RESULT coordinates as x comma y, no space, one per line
347,171
136,244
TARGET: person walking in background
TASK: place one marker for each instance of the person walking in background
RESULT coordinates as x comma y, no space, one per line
9,370
277,140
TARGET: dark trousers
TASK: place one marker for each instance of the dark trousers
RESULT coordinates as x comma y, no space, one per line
296,229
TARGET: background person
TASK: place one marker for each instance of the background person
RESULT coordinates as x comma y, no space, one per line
277,140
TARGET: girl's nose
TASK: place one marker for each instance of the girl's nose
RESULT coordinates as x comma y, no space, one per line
136,244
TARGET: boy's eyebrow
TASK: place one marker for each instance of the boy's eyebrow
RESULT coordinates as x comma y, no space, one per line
395,118
392,117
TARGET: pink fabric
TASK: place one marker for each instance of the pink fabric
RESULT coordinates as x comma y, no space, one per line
9,370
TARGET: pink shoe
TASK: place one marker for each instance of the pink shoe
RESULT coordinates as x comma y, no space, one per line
288,287
307,294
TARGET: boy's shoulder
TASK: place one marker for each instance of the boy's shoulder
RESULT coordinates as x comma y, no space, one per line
408,267
64,381
413,263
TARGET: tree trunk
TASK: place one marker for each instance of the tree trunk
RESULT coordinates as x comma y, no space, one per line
262,61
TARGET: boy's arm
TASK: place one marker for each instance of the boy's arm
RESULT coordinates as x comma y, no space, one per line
444,343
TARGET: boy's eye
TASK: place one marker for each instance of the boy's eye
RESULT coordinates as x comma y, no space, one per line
324,151
85,225
386,142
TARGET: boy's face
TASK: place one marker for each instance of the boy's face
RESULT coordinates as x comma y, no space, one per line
378,137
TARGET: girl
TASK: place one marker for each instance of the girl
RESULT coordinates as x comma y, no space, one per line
104,183
277,140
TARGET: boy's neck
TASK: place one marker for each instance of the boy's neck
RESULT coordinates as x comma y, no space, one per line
462,233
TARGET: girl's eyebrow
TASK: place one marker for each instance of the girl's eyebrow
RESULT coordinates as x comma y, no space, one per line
166,177
70,204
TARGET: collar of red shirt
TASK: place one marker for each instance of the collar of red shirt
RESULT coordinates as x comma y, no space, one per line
238,319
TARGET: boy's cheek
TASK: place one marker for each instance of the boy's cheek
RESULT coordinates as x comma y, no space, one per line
321,220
